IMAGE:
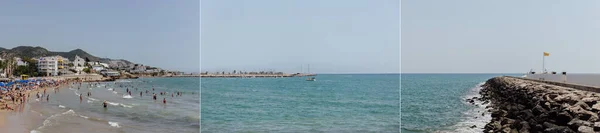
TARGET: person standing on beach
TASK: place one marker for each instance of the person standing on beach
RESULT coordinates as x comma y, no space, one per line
48,98
154,97
164,100
140,94
80,98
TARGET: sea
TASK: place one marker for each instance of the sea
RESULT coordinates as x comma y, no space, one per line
64,112
337,103
437,102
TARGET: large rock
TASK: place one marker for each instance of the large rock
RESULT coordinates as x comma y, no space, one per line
596,106
582,113
585,129
563,118
596,126
559,129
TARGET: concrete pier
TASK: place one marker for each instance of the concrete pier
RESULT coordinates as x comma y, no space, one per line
580,79
253,75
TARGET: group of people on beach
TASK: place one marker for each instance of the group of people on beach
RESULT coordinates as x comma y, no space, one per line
19,91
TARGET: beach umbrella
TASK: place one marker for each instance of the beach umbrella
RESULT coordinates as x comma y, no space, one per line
2,84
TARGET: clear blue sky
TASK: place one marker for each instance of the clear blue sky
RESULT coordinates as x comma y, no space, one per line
162,33
440,36
333,36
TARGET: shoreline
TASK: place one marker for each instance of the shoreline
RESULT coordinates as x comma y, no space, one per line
18,109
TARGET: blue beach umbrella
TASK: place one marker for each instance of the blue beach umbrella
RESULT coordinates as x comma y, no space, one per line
2,84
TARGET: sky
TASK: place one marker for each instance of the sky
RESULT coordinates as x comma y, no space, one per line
159,33
332,36
509,36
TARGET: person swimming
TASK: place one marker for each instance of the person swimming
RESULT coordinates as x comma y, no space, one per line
104,104
164,100
154,97
140,94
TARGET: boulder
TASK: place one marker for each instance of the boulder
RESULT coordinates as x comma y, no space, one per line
582,113
596,126
498,113
596,106
585,129
576,123
537,110
526,115
563,118
549,125
559,129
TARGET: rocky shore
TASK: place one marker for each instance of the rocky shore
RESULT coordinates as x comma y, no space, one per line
519,105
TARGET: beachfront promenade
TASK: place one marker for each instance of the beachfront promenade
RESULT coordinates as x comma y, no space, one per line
254,75
580,79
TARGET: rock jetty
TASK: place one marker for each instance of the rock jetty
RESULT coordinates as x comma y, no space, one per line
528,106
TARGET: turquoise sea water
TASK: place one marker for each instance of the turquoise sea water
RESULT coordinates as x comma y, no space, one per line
333,103
436,102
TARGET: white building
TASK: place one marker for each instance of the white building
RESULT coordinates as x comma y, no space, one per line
48,65
78,62
20,62
98,68
104,65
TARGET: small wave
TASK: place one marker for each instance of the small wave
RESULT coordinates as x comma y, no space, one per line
69,112
115,92
111,103
127,96
90,101
110,89
47,121
61,106
114,124
83,116
34,131
126,106
474,115
37,99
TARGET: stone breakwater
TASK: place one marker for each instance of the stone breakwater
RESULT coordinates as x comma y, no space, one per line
518,105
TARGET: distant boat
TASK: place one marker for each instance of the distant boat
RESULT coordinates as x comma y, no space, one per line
310,78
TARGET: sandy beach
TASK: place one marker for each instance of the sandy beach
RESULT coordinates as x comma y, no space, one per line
21,118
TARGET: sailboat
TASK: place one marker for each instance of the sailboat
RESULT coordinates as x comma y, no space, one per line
310,78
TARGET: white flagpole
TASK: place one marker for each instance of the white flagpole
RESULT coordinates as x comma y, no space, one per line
544,63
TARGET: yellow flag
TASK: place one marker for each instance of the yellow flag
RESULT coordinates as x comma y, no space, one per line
546,54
